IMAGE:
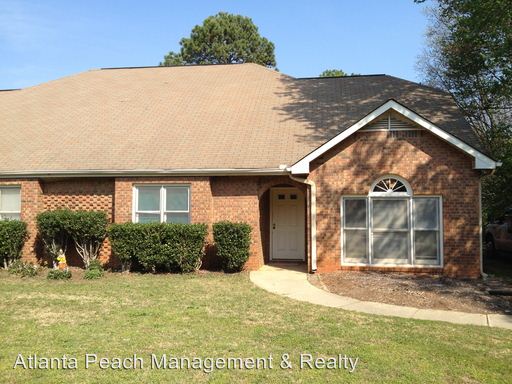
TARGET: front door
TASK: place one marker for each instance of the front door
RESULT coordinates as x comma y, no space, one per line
287,224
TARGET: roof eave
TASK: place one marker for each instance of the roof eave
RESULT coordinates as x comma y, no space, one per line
143,172
481,161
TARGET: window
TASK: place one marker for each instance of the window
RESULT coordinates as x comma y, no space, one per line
162,204
10,203
390,226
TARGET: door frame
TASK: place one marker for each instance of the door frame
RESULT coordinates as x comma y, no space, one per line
271,216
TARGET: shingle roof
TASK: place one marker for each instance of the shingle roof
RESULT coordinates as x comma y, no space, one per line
195,117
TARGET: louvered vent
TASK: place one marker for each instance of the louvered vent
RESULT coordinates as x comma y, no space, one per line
391,123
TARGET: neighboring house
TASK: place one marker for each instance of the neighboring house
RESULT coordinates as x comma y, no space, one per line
357,172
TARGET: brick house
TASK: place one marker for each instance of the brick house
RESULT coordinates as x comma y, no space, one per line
357,172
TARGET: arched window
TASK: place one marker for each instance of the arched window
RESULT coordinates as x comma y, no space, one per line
390,226
390,185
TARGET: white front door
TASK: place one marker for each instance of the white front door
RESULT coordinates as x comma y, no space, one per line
287,224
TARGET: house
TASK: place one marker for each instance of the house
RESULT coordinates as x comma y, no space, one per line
358,172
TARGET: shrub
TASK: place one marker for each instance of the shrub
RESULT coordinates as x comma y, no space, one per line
13,234
183,245
126,242
233,241
23,269
57,274
91,274
88,229
175,247
53,231
96,265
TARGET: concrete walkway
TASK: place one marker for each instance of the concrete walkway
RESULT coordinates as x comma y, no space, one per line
293,283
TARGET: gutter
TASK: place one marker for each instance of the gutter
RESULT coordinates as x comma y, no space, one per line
145,172
313,217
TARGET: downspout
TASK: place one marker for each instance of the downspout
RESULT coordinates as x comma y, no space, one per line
313,217
482,273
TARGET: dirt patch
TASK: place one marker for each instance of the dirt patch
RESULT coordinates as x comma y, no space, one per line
420,291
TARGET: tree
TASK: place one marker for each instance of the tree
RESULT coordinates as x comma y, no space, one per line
224,39
333,73
469,55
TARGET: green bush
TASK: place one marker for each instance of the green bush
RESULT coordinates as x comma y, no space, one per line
23,269
157,247
126,242
95,265
91,274
88,229
13,234
57,274
232,241
183,245
52,227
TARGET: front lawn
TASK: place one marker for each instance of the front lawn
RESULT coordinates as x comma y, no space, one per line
217,315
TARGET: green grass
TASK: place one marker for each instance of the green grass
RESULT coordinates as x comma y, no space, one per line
216,315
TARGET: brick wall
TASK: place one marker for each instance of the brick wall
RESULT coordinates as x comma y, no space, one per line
31,204
90,194
431,166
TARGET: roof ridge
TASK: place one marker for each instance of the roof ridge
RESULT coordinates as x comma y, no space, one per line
340,77
177,65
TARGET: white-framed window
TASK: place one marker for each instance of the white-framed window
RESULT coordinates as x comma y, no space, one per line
161,203
10,202
390,226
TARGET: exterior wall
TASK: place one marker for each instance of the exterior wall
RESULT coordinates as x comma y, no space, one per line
431,166
31,205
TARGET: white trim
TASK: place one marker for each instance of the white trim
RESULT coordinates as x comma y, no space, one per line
312,184
271,212
411,259
10,186
481,161
147,172
162,203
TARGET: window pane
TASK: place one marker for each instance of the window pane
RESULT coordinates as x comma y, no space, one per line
10,199
9,216
179,218
426,213
390,245
426,245
356,246
149,199
355,213
177,199
148,218
390,214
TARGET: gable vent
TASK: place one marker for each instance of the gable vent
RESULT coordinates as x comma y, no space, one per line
390,123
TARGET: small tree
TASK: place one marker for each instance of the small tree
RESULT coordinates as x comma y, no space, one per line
88,231
52,227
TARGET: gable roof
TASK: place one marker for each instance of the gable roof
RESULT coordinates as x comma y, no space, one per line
218,118
481,160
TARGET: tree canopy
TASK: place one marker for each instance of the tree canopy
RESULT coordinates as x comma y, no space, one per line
333,73
469,55
224,39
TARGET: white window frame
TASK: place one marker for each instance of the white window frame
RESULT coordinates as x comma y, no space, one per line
163,198
411,262
4,187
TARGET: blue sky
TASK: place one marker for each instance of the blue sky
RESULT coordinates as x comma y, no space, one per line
45,40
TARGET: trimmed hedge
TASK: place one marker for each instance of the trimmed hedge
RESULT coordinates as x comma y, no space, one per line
87,229
13,234
233,241
159,247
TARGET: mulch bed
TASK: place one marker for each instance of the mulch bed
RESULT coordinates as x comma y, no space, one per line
420,291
